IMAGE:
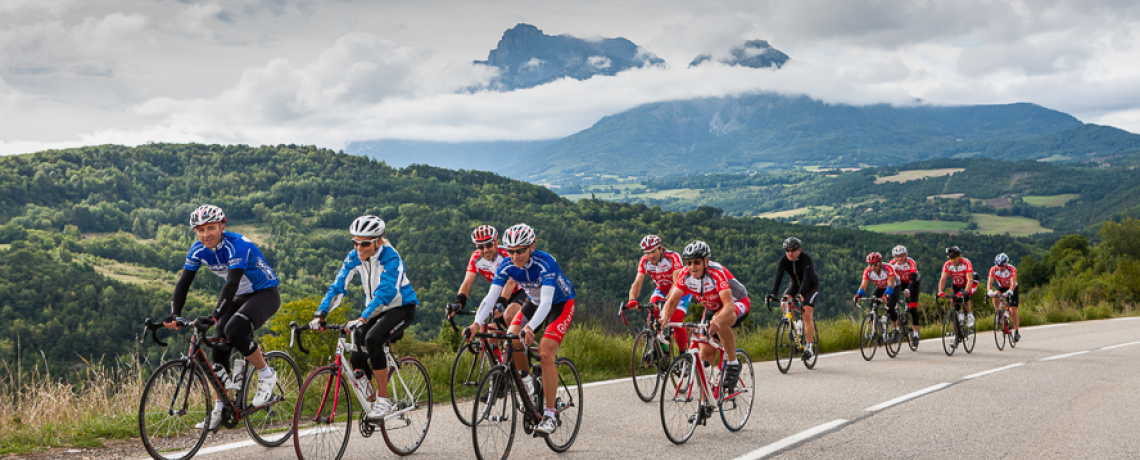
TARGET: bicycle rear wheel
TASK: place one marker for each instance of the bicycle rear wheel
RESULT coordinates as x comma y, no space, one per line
971,336
1009,337
681,403
999,330
643,366
568,403
893,341
736,405
323,418
867,340
949,337
785,346
272,425
810,362
174,400
494,414
908,329
409,390
470,364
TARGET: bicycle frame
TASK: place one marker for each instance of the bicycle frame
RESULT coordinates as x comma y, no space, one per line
699,334
790,308
532,414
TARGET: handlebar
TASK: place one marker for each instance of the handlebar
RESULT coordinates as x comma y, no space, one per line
152,326
457,311
794,303
639,307
296,330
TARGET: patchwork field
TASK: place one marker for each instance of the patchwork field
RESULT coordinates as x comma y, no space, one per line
918,226
905,176
1014,225
1049,200
793,212
952,196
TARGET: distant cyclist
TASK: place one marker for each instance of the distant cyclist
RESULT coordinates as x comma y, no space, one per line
965,281
487,257
885,281
803,284
663,266
907,272
389,303
725,300
247,300
1005,275
550,301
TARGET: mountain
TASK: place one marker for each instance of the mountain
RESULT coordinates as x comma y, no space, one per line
492,156
527,57
757,54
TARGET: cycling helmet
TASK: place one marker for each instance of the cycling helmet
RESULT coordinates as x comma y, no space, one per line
650,242
483,234
792,243
205,214
518,235
1001,259
899,250
370,226
874,258
953,251
696,250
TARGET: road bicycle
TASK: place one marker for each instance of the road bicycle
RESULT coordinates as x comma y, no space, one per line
651,354
954,328
690,399
790,340
176,397
323,418
1002,330
473,359
876,329
498,404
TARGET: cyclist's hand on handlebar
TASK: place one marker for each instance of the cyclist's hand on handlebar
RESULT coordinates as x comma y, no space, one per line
631,304
469,331
204,322
857,297
527,335
769,298
352,325
941,295
318,323
170,322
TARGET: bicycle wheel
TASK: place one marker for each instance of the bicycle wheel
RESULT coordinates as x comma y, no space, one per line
493,415
272,425
999,331
568,403
681,403
810,362
867,340
174,400
892,341
470,364
970,338
949,338
908,329
323,418
785,346
736,405
643,365
1009,336
409,389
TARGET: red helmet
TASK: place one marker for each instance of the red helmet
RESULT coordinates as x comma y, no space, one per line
650,242
874,258
483,234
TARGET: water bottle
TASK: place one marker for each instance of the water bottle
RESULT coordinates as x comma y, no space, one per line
238,376
961,318
800,327
220,372
360,381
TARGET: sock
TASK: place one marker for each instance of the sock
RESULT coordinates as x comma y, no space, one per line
219,405
550,412
265,372
733,362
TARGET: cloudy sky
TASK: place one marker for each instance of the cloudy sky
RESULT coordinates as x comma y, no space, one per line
328,72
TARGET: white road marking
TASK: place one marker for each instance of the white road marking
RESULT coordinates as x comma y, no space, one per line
1121,345
991,371
792,440
247,443
906,397
1066,355
836,354
1046,326
1125,319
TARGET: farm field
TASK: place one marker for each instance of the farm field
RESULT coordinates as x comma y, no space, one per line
793,212
905,176
918,226
1049,200
1014,225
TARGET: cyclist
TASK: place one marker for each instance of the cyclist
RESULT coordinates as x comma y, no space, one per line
663,266
965,281
907,272
389,303
725,300
885,281
487,257
550,300
803,284
247,300
1006,276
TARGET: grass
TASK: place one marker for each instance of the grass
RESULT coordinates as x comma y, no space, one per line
906,176
257,235
1054,158
794,212
1049,200
917,226
5,246
990,224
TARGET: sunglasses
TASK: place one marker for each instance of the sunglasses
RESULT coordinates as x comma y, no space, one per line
792,250
516,251
485,245
693,262
363,244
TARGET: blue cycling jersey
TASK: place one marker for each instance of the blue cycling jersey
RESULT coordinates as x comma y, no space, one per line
234,251
542,270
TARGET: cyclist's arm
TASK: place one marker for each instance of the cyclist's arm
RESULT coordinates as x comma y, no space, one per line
779,276
544,305
990,282
726,299
671,303
1013,282
226,298
336,289
180,291
863,285
942,282
389,284
468,280
488,302
635,289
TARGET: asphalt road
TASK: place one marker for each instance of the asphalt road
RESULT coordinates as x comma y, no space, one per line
1067,390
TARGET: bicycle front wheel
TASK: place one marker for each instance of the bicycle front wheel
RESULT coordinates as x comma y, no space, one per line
643,365
893,341
470,364
681,403
949,337
867,343
409,390
810,362
493,415
174,400
999,331
568,404
970,338
736,403
272,425
785,346
323,417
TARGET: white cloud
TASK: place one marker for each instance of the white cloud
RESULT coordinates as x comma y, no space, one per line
599,62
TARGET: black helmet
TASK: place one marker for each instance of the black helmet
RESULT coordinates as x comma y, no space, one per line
953,251
792,243
696,250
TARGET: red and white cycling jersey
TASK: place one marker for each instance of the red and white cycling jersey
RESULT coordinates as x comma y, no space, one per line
485,267
961,274
661,272
707,289
903,269
880,278
1003,275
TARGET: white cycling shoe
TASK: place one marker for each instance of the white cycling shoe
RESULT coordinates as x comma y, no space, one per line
380,409
546,425
265,390
215,420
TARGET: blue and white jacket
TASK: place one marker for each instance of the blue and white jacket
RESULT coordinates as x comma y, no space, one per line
234,251
386,284
542,279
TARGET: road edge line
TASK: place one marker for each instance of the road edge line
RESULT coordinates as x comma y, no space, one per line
991,371
1066,355
794,439
906,397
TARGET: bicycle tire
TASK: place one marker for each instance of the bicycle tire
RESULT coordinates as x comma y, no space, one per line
171,378
970,338
1012,343
681,404
810,362
643,364
315,409
738,406
909,328
890,345
949,337
409,390
568,402
276,418
999,331
497,415
470,365
867,340
785,346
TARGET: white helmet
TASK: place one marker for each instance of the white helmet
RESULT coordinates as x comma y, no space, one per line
370,226
899,250
205,214
518,235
